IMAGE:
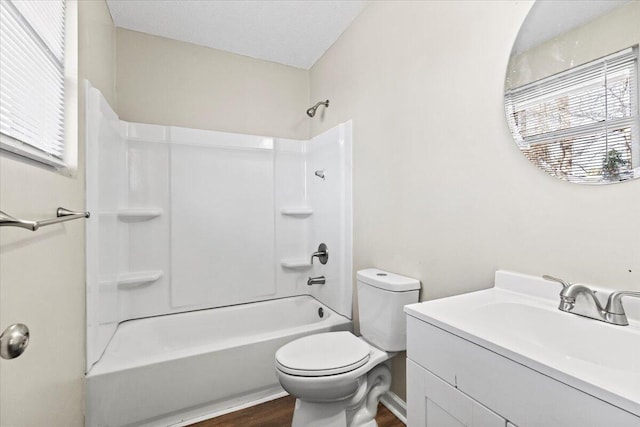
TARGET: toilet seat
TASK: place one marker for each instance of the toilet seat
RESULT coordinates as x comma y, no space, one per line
329,353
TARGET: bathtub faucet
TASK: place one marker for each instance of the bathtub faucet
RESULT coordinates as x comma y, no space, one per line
320,280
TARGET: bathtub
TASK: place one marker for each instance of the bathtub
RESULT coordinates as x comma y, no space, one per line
164,370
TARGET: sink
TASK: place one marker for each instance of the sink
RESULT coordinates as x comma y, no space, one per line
571,337
519,319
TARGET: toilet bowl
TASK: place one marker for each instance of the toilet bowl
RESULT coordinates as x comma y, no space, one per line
337,377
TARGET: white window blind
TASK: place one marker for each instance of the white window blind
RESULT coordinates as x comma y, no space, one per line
581,124
32,78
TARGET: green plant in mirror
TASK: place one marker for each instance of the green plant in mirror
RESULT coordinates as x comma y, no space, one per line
612,165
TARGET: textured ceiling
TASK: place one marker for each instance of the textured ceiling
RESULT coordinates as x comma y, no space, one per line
291,32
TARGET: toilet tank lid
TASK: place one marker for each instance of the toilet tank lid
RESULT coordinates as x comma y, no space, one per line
387,281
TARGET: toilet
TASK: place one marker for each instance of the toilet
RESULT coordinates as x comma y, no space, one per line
337,377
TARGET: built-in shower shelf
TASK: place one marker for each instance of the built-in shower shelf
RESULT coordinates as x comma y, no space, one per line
138,214
296,211
295,263
139,278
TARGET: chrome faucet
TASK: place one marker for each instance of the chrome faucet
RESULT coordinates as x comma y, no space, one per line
322,254
320,280
569,294
613,312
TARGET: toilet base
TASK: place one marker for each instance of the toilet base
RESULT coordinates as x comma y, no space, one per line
311,414
358,410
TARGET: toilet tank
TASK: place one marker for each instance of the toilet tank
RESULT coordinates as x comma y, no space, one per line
381,299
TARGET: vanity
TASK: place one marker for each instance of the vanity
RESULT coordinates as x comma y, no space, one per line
507,356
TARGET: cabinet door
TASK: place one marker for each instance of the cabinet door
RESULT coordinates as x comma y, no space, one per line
432,402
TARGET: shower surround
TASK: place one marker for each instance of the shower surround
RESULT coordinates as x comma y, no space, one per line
188,220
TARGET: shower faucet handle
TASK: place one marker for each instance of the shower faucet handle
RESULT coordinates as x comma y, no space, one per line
322,254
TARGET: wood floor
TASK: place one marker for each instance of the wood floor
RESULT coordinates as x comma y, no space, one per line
278,413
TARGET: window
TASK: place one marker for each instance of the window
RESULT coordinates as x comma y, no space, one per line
32,79
581,124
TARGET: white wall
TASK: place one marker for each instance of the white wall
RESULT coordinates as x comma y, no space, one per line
441,192
42,273
167,82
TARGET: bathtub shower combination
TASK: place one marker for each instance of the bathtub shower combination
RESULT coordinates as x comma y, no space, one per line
198,257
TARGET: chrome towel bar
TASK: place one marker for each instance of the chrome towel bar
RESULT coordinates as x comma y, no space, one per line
62,215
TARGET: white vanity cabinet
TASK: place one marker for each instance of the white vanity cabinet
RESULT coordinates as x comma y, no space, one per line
434,403
452,381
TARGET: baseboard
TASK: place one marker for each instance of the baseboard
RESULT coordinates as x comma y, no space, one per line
390,400
268,398
397,406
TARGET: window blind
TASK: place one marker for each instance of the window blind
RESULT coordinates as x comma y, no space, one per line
581,124
32,77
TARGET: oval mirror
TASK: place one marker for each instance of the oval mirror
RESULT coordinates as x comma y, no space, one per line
571,91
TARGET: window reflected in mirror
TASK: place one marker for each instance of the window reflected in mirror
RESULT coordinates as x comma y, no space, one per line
571,94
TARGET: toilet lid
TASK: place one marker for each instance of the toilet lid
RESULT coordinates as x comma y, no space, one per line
329,353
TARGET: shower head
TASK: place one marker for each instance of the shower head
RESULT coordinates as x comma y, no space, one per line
312,111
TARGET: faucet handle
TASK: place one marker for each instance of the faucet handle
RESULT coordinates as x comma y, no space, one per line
614,303
614,311
563,282
322,254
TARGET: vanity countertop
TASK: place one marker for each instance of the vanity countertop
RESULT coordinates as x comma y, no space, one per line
519,319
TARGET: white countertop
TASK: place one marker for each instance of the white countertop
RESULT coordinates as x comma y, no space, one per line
519,319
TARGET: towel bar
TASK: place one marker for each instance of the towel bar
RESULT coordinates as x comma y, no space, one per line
62,215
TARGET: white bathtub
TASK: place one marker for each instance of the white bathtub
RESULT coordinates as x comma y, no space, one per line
163,370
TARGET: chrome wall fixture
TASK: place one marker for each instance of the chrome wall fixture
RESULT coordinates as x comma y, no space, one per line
322,254
62,215
320,280
312,111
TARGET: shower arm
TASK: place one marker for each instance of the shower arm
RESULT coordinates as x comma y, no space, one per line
325,103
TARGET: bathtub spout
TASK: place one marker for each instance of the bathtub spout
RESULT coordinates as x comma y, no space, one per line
320,280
